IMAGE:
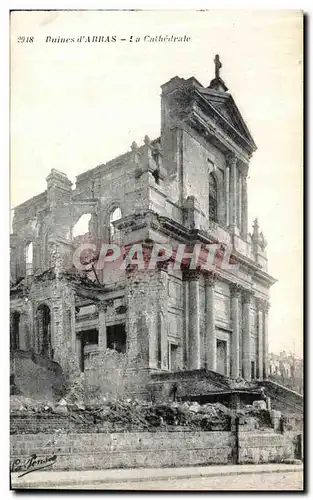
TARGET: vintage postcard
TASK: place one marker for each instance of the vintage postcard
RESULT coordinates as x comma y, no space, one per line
155,288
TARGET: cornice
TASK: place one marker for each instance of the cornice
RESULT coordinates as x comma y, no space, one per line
223,122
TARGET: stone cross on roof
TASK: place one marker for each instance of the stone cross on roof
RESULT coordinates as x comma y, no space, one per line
218,84
218,66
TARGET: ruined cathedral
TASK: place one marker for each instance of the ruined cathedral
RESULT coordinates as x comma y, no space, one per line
159,327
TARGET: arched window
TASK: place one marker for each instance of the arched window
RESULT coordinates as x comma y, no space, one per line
212,198
29,259
44,330
115,234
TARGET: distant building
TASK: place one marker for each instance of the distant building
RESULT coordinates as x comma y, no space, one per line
287,369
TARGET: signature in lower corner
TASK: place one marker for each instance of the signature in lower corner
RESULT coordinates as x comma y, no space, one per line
32,463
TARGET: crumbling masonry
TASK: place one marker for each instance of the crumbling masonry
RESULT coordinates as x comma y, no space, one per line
187,186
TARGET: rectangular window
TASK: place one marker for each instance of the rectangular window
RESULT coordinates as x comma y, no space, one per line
116,337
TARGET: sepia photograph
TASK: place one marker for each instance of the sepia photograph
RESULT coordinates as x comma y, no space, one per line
156,242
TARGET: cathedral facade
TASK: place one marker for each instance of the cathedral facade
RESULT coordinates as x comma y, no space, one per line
188,186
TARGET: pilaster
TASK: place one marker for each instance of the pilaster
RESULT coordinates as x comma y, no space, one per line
232,162
227,195
210,335
239,207
260,307
244,203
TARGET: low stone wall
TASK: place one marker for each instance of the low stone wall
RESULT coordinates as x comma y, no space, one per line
147,449
127,450
255,448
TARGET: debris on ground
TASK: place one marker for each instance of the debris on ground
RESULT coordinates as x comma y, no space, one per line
132,415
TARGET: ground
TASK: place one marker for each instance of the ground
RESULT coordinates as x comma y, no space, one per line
273,481
267,477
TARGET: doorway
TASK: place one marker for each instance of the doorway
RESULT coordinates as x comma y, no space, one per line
44,331
86,337
15,330
221,357
173,366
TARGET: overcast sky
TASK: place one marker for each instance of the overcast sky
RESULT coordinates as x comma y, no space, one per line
74,106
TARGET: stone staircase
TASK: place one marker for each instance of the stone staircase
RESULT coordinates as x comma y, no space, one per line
282,398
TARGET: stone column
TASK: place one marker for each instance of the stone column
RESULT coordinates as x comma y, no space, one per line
246,348
260,338
235,346
186,323
194,321
244,205
232,161
227,195
102,329
210,336
265,340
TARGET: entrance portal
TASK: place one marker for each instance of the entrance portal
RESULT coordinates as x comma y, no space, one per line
221,357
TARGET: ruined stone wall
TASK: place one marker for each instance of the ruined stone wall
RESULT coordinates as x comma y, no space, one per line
146,295
26,226
115,375
114,185
154,321
58,295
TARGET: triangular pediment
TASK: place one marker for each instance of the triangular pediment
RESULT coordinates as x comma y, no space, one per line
225,107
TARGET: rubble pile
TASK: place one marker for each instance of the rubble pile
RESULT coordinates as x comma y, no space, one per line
130,415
